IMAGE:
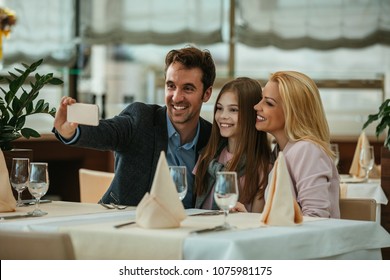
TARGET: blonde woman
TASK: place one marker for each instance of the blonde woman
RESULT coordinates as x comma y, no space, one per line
291,110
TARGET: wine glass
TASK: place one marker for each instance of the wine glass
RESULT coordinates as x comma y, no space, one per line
367,159
335,150
226,193
19,177
38,184
179,176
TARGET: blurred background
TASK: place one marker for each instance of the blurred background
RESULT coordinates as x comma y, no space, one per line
111,52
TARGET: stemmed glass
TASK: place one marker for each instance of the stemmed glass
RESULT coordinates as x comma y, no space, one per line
19,177
179,176
38,184
367,159
335,150
226,193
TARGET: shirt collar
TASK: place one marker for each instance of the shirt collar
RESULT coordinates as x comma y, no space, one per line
172,131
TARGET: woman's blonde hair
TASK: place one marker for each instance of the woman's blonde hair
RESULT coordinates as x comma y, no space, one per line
304,113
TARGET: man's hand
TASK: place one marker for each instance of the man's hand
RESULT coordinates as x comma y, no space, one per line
64,128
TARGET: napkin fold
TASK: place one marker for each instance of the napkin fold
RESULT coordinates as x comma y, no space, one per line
343,190
7,199
161,208
356,170
281,208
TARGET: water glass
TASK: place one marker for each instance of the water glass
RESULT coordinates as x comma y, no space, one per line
179,176
367,159
19,177
38,184
335,150
226,193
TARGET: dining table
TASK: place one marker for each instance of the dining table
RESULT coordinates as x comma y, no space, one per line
351,187
95,235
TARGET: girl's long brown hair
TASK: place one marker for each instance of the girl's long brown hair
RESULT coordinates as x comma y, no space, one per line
252,145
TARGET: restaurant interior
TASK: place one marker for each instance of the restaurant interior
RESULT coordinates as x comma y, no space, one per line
111,53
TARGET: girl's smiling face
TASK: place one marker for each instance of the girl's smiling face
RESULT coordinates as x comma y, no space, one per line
226,114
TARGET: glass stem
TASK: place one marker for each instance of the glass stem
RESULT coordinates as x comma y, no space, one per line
225,213
37,200
19,197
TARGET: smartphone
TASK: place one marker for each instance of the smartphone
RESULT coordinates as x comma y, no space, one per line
81,113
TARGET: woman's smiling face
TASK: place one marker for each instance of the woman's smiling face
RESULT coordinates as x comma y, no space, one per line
270,114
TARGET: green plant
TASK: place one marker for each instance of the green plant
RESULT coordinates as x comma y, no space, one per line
383,116
18,103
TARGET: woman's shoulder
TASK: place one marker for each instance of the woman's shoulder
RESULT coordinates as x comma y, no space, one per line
303,148
305,156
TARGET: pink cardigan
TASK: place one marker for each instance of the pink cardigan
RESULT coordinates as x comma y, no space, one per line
315,178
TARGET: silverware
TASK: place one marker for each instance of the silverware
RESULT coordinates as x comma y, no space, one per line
208,213
113,206
16,216
119,207
125,224
108,206
213,229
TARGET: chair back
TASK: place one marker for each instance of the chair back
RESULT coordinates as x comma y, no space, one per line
363,209
93,184
23,245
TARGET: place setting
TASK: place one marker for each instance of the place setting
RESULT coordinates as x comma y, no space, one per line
162,207
363,168
179,177
24,174
226,197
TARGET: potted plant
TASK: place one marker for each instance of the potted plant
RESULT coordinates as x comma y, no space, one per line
18,101
383,116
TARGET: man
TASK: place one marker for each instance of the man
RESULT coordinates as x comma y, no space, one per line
141,131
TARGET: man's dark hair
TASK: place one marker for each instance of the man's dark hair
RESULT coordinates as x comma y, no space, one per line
192,57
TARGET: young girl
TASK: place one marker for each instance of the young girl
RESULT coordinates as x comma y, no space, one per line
235,145
291,110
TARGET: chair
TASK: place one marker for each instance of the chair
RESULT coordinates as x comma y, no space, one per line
93,184
23,245
363,209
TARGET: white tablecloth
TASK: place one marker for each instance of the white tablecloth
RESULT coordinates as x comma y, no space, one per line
324,239
94,237
371,189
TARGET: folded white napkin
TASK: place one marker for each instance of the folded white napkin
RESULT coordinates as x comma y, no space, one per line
7,200
162,208
356,170
281,208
